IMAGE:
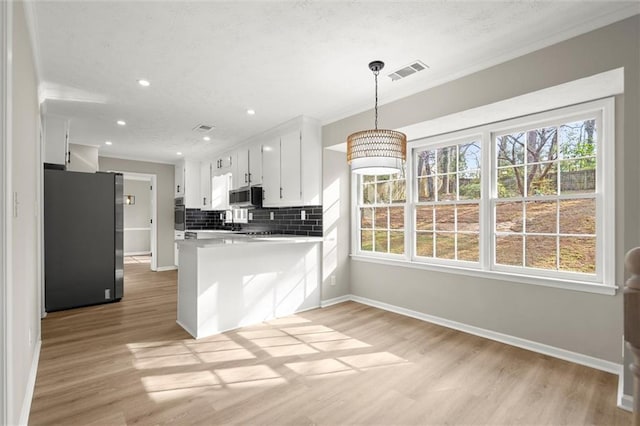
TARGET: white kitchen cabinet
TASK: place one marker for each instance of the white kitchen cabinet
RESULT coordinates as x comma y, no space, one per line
290,169
205,185
82,158
192,184
255,164
271,172
282,186
178,236
241,172
179,179
223,164
291,161
248,170
187,180
220,191
56,139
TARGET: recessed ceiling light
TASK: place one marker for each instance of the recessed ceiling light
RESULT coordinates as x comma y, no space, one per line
108,143
144,83
121,123
206,138
178,153
251,112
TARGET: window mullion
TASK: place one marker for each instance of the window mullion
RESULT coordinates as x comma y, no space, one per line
409,207
488,175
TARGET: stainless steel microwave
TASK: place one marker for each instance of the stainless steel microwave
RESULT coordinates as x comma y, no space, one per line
246,197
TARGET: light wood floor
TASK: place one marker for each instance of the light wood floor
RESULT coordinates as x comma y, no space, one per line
129,363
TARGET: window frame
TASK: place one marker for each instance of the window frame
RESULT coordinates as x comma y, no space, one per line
603,281
356,185
449,139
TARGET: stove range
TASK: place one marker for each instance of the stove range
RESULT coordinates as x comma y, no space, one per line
250,232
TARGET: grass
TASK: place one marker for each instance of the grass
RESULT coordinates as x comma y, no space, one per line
564,253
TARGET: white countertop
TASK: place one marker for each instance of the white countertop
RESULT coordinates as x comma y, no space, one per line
225,239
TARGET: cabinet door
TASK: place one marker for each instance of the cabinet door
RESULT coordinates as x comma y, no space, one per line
241,171
255,164
192,198
271,172
56,134
290,176
179,179
220,185
205,185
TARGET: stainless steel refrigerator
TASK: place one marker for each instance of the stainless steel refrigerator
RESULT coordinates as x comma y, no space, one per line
83,225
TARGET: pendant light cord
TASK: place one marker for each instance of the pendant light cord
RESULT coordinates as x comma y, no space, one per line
375,75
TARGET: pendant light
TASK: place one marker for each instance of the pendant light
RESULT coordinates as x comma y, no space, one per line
376,151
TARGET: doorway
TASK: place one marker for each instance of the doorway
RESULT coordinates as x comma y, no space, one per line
140,218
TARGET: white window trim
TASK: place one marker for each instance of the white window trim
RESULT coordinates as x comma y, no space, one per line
495,275
355,219
602,283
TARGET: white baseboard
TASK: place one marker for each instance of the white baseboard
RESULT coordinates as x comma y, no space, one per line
335,300
624,401
31,384
166,268
589,361
138,253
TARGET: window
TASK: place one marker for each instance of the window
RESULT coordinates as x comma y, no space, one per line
545,209
530,199
447,211
381,214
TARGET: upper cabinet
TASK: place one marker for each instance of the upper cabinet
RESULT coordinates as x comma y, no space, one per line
82,158
187,181
179,179
286,161
205,185
291,161
255,164
223,164
220,186
248,170
56,139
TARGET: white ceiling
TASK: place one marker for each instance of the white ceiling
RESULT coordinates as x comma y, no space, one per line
208,62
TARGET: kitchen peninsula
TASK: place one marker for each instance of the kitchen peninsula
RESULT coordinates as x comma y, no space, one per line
234,280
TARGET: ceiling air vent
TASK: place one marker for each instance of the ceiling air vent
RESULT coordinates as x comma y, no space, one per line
408,70
204,128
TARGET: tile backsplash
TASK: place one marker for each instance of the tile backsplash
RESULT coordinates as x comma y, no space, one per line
286,220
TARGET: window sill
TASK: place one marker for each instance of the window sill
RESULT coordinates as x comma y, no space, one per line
518,278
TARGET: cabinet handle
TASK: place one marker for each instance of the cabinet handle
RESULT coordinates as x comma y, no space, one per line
280,192
69,157
245,178
204,201
178,189
249,177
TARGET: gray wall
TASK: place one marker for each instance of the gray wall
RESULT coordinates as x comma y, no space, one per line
23,288
336,207
586,323
165,194
137,215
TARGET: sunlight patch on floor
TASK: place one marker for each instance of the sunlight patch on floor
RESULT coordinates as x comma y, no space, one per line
166,361
376,359
281,338
179,381
226,356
